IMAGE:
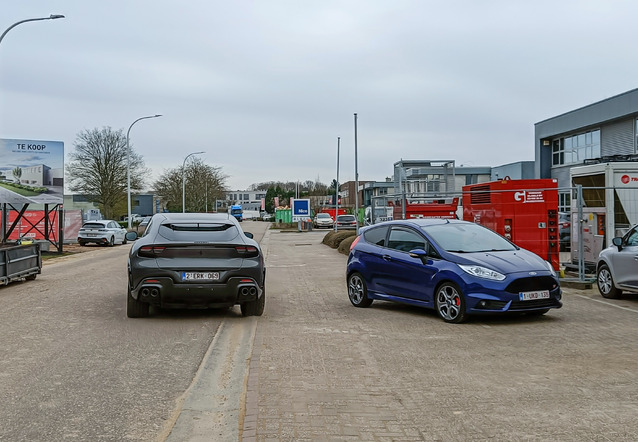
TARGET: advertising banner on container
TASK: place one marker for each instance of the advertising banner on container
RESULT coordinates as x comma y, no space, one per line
31,169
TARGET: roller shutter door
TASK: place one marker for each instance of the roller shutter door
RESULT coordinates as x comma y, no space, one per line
617,138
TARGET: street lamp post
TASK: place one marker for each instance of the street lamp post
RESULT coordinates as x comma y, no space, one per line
337,186
128,167
51,17
356,177
184,180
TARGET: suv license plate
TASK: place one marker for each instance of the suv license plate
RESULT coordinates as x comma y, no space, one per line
530,296
200,276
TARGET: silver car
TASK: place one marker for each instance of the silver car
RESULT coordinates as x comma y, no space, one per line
617,266
105,232
323,220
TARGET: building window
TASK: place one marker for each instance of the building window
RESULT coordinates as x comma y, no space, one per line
564,202
576,148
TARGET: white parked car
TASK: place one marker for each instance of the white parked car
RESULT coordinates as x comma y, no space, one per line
105,232
135,218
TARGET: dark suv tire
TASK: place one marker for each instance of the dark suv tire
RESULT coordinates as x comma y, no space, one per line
135,308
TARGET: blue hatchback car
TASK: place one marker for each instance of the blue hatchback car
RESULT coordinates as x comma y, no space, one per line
456,267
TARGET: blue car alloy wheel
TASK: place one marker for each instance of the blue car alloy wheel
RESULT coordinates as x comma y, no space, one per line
458,268
357,291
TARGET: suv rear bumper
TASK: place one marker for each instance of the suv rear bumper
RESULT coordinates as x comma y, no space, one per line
164,292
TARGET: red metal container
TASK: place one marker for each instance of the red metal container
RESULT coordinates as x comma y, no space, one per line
332,212
524,211
432,209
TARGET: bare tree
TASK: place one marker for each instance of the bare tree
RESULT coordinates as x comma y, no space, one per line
98,169
204,184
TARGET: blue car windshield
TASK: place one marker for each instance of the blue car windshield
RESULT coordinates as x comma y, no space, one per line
467,238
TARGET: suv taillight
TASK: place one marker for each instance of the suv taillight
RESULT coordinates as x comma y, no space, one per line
247,251
150,251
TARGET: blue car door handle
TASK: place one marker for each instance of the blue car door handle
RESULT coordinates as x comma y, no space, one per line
387,258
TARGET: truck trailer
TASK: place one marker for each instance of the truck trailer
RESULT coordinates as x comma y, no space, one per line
237,211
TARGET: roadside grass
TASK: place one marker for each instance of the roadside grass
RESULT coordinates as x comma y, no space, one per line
23,192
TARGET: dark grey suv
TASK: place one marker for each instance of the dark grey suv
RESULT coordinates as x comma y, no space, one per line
617,267
195,260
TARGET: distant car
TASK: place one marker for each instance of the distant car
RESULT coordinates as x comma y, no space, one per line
617,266
456,267
141,227
346,222
564,231
135,218
322,220
195,260
105,232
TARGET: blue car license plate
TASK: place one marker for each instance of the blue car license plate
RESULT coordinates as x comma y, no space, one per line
530,296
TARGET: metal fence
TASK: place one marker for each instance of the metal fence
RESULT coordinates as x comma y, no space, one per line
597,215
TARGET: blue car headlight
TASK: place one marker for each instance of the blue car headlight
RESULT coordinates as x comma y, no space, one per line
482,272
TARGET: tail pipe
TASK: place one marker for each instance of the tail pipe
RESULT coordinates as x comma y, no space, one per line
248,291
150,291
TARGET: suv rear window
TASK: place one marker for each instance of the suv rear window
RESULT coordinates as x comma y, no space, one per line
192,232
93,226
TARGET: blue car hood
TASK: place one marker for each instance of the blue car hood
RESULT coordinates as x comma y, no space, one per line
504,262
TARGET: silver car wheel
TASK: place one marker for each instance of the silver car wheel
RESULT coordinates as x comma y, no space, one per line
604,281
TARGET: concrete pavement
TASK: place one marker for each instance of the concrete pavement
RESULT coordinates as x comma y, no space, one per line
322,370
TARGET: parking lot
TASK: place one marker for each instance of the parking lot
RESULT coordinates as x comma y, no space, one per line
324,370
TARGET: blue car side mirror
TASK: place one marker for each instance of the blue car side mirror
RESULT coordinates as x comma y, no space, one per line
420,254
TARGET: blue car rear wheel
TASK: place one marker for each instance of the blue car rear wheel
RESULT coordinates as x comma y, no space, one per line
358,291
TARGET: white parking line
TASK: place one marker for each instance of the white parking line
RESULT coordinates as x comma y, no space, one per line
608,303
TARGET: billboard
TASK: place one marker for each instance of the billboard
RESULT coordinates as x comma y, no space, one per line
31,171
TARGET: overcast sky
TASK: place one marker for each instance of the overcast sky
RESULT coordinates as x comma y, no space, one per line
266,87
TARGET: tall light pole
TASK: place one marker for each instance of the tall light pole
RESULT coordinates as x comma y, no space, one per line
337,185
184,180
128,166
50,17
356,176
